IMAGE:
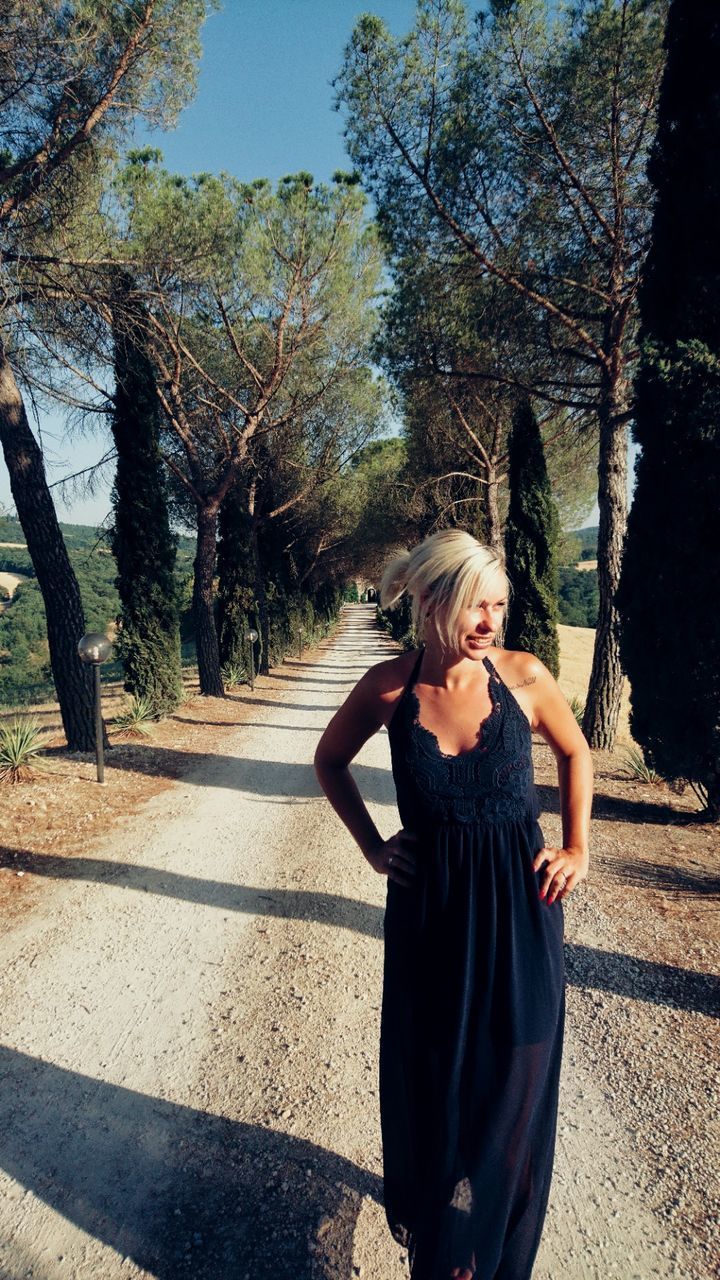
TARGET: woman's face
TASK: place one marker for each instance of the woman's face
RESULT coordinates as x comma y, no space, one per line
479,623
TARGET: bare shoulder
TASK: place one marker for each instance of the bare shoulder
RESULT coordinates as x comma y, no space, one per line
368,706
522,670
386,680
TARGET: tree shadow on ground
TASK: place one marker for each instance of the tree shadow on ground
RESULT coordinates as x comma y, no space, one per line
184,1193
586,967
624,809
702,883
321,680
293,782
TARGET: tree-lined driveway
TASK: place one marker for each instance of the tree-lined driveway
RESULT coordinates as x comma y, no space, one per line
190,1036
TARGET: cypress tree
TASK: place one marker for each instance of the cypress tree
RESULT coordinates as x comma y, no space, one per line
142,541
237,610
531,538
670,582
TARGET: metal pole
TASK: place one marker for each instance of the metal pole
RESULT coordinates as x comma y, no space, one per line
252,667
98,727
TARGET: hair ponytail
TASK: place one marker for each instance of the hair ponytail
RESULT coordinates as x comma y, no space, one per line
448,571
393,584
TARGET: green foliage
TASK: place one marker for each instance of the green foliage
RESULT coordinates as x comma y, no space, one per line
142,542
531,536
271,300
234,674
370,502
578,597
297,615
58,63
25,674
136,720
670,582
636,766
587,539
398,622
24,657
577,706
512,152
21,742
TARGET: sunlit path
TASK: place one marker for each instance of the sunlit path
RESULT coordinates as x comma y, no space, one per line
190,1036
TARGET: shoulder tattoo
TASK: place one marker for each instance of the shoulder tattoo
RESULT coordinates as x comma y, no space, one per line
529,680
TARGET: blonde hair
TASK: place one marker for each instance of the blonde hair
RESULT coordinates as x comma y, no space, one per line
445,573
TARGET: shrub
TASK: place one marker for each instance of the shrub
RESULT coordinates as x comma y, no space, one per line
137,718
20,747
637,768
578,709
233,674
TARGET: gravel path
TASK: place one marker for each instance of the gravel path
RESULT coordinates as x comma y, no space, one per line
190,1034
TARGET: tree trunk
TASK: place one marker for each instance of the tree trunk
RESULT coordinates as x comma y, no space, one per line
711,812
74,681
602,707
206,639
494,524
261,598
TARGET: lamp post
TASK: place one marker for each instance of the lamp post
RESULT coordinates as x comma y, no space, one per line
95,648
252,636
301,637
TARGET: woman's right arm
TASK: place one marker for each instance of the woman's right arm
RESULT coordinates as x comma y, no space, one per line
360,716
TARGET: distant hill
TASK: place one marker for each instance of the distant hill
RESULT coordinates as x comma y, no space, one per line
588,542
24,658
78,537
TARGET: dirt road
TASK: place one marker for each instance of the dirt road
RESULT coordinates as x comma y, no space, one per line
190,1029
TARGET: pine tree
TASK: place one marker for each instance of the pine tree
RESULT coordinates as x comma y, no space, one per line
142,541
670,582
531,537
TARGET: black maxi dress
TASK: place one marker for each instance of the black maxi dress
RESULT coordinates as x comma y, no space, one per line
473,1004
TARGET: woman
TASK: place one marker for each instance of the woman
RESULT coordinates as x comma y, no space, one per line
474,988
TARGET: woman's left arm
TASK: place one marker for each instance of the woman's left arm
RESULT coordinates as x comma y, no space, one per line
555,722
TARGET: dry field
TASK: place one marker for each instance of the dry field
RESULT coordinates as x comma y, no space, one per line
11,581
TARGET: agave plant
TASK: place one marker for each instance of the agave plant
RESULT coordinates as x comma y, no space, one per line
578,709
20,745
233,674
137,718
636,766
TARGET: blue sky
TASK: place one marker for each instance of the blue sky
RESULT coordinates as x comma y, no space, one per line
263,108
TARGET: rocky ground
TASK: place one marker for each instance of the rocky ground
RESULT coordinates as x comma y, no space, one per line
190,1002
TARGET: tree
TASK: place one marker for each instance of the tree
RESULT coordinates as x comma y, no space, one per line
458,349
362,515
142,542
531,537
238,610
523,145
72,79
670,581
259,306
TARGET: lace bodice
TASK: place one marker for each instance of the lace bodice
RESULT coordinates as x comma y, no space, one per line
492,782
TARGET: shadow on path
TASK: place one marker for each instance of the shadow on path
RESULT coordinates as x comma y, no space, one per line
295,782
172,1187
586,967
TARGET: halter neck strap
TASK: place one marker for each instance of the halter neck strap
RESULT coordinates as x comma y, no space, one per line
415,670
